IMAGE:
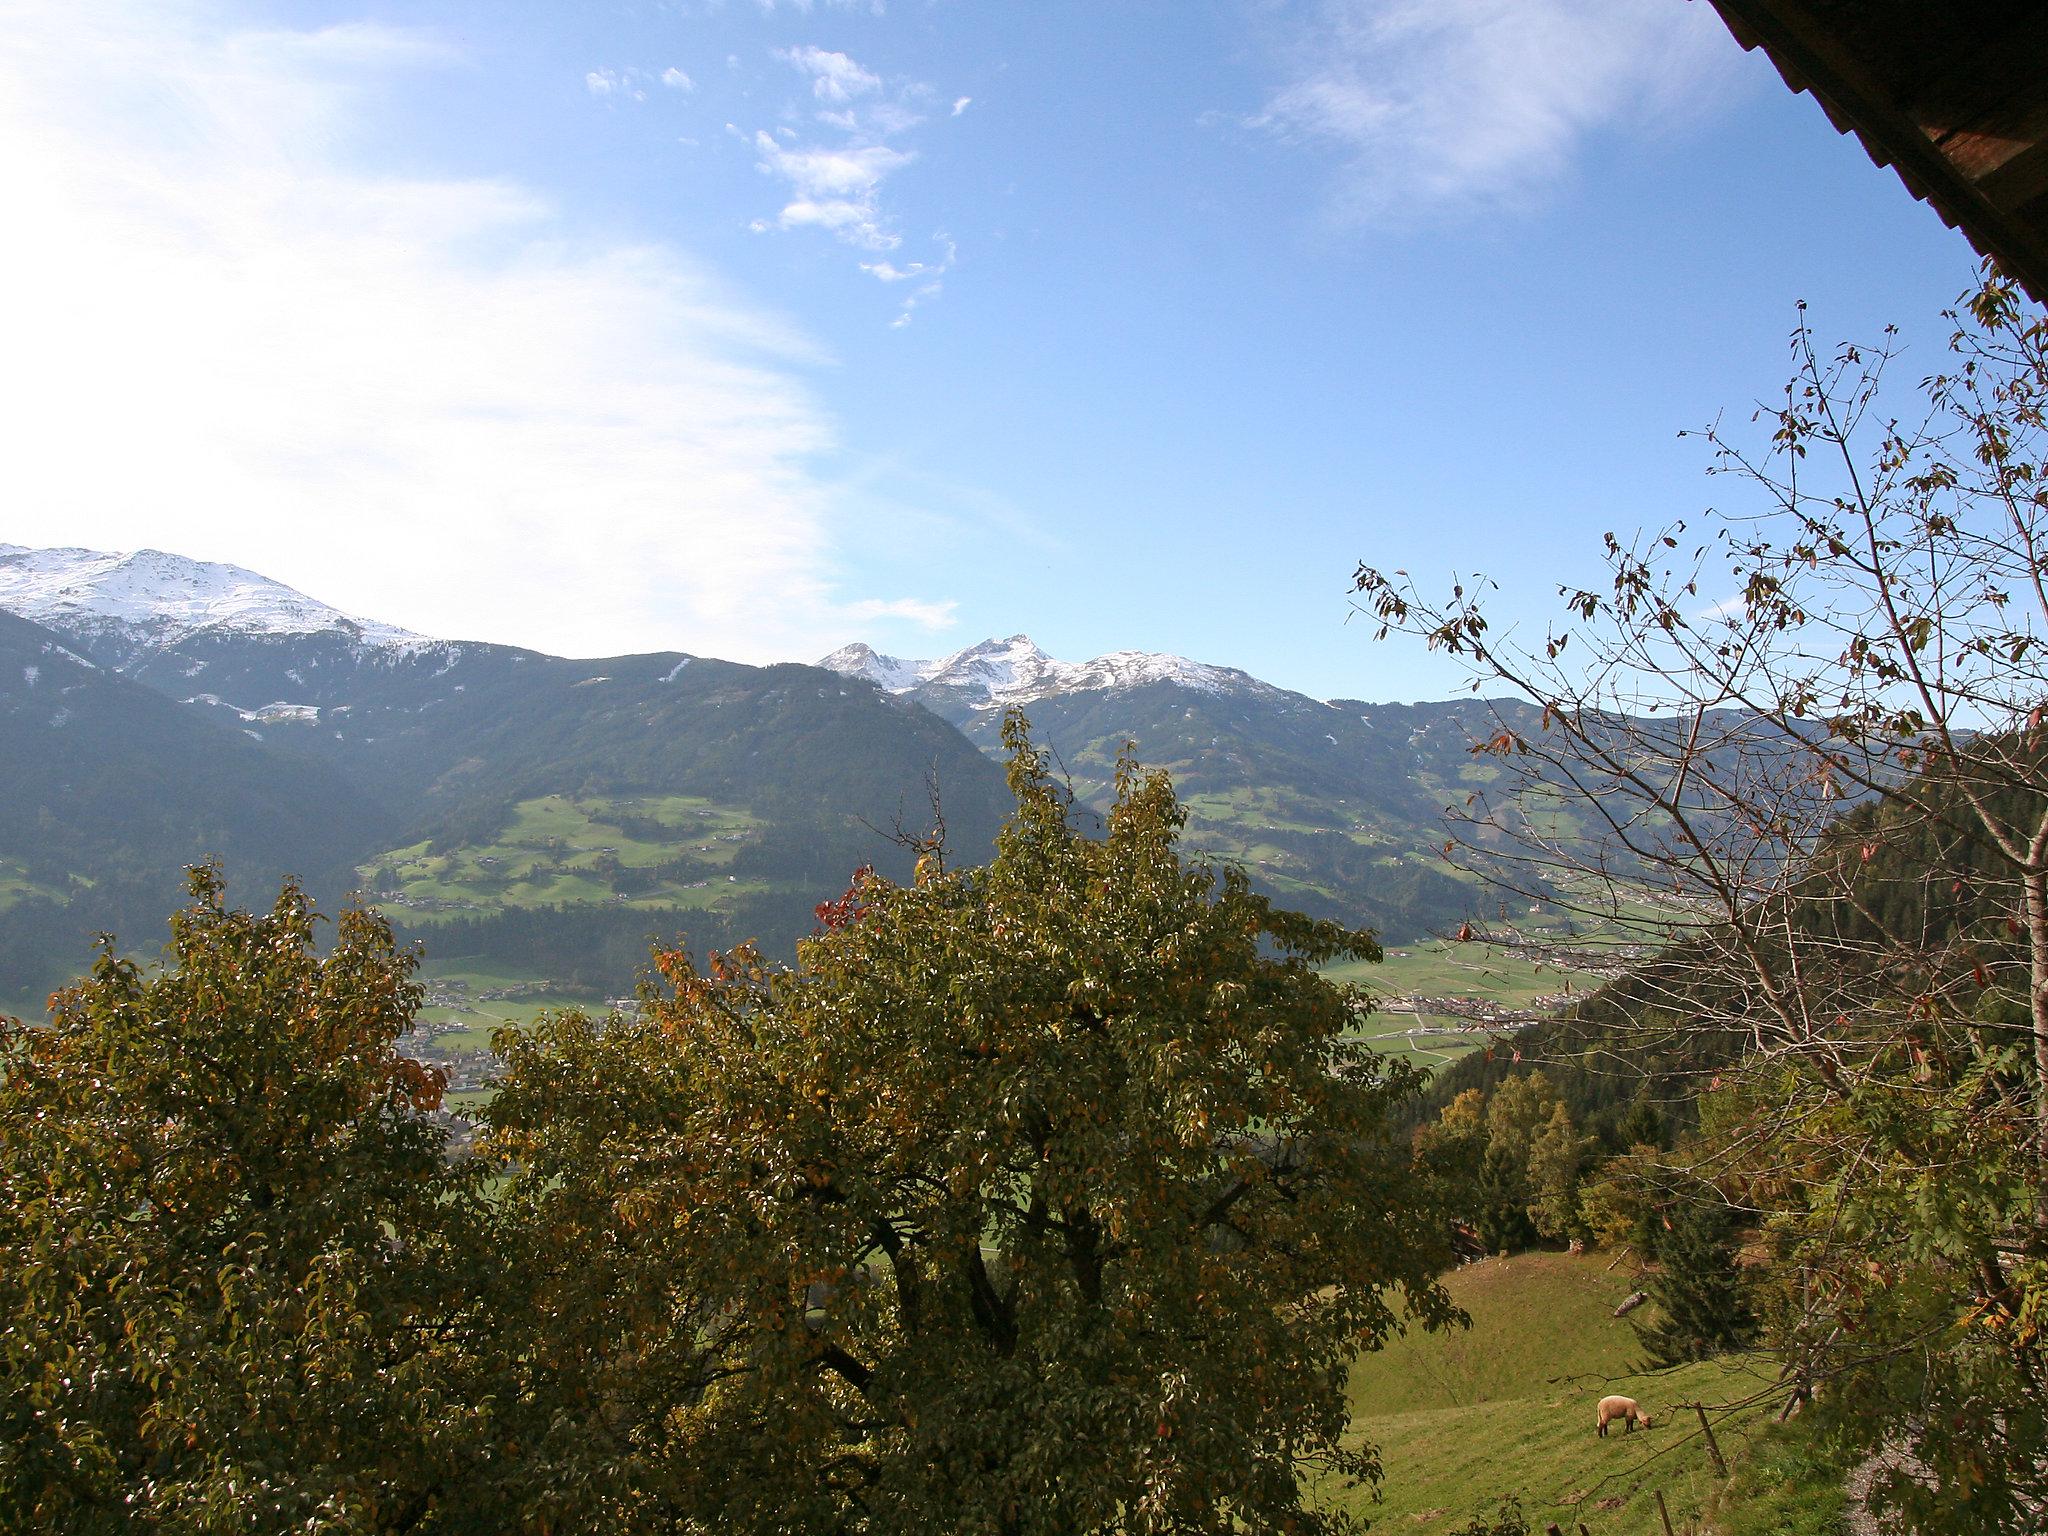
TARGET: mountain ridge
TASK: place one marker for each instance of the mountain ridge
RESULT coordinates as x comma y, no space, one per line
996,674
151,598
502,791
675,792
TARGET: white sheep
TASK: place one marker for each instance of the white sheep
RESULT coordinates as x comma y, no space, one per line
1624,1409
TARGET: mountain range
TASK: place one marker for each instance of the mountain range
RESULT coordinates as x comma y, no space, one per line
1335,806
559,812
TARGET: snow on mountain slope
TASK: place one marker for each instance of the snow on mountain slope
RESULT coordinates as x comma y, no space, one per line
998,673
159,599
892,674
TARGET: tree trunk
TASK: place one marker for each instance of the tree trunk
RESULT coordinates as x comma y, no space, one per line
2036,885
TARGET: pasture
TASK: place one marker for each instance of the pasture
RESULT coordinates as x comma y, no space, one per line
645,851
1507,1407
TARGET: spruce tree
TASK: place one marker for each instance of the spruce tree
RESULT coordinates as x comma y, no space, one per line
1701,1294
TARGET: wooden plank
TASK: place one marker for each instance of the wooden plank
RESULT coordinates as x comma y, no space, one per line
1844,68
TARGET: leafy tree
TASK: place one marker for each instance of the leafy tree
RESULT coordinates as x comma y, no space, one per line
1815,730
1051,1196
230,1245
1618,1201
1518,1111
1450,1150
1559,1157
1700,1291
1515,1116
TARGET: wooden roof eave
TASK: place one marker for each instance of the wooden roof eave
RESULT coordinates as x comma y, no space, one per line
1854,104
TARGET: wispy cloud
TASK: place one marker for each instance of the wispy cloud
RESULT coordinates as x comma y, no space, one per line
834,77
961,104
676,80
1455,104
421,399
615,83
938,615
837,186
834,189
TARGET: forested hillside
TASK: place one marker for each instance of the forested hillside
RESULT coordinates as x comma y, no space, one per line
345,753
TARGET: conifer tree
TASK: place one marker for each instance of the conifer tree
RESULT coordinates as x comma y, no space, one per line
1701,1294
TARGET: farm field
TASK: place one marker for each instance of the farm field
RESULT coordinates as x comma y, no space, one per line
466,1005
651,851
464,1017
1445,968
15,885
1506,1407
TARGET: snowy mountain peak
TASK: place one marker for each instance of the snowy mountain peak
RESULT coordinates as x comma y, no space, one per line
158,599
995,674
891,674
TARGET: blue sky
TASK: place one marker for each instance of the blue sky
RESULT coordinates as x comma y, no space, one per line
750,328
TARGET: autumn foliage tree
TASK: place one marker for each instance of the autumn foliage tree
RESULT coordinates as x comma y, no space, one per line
232,1255
1047,1197
1809,734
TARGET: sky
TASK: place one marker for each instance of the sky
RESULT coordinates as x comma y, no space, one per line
753,327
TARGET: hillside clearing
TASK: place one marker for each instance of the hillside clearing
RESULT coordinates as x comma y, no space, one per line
1506,1407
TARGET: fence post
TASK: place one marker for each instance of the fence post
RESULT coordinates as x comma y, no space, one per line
1713,1446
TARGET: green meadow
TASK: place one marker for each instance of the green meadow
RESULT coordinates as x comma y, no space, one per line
1446,968
1465,1417
650,851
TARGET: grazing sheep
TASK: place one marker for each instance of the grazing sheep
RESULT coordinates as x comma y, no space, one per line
1624,1409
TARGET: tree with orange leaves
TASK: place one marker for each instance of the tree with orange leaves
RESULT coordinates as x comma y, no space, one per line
1052,1196
230,1245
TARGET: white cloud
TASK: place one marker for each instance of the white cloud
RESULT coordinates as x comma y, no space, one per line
1459,103
834,189
621,83
926,290
873,120
961,104
834,77
837,188
424,400
676,80
926,274
938,615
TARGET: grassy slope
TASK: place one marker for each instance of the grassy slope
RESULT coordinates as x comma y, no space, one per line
549,852
1507,1407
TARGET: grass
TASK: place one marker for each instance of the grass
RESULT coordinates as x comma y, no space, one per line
15,886
1506,1407
1787,1485
568,850
1443,968
463,1101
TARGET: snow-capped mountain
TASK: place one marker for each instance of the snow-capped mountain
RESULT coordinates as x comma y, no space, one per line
999,673
151,600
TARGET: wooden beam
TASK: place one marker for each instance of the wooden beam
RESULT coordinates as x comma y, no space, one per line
1814,59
